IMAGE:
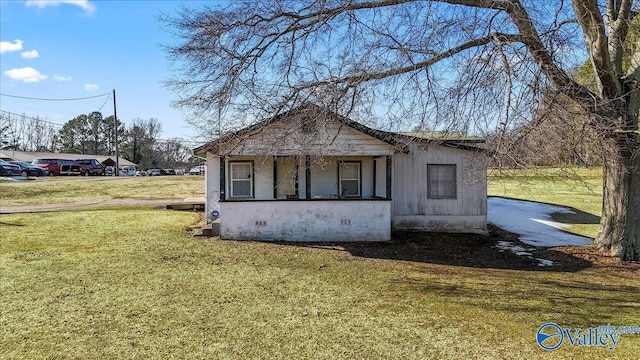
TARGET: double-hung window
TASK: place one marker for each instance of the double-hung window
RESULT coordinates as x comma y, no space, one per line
349,179
241,179
441,181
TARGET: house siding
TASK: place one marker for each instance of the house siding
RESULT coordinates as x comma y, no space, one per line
411,209
331,139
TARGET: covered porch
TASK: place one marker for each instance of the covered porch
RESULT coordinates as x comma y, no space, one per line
301,197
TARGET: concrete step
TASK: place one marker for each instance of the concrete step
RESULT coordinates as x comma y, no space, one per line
212,229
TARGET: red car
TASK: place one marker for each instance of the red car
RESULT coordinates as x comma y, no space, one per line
51,166
83,167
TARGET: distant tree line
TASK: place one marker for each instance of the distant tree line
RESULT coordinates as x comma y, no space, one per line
94,134
557,136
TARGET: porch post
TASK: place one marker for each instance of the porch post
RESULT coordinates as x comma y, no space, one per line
307,176
275,177
296,179
388,177
223,183
375,173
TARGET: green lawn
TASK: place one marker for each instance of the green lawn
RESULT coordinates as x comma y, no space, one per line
134,283
73,189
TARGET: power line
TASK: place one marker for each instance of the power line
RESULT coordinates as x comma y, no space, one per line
180,140
104,103
29,117
44,99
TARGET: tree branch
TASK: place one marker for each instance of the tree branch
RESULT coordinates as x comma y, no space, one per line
597,45
633,72
357,79
618,14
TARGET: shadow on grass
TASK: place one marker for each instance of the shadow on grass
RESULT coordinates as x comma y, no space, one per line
580,303
3,223
467,250
578,217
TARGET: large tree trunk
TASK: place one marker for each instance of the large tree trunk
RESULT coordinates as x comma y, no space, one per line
620,222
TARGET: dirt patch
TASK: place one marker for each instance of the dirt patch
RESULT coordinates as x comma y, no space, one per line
599,259
470,250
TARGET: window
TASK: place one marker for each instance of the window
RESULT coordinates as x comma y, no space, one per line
241,179
349,178
441,182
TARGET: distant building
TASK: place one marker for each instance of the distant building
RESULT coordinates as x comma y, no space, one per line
29,156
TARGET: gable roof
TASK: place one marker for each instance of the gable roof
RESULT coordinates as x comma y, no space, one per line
400,141
445,139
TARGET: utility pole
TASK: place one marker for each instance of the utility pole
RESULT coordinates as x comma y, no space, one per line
115,134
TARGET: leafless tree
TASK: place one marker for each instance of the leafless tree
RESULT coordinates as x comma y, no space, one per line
556,137
172,153
26,133
466,65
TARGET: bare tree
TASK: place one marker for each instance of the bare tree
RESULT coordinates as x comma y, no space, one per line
7,131
467,65
172,153
26,133
557,136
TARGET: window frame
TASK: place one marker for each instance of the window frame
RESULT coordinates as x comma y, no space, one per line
430,185
351,162
252,192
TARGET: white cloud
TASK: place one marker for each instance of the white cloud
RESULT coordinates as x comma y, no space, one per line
62,78
26,74
91,87
86,5
6,46
30,54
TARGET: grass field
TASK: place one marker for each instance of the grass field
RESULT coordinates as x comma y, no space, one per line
73,189
134,283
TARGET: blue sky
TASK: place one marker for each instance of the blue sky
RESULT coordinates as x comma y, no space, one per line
60,49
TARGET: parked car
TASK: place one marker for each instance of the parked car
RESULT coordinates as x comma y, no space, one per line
141,173
169,171
9,169
154,172
110,171
83,167
127,171
197,170
26,169
51,165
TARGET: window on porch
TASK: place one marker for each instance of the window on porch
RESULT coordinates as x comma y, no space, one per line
349,174
241,174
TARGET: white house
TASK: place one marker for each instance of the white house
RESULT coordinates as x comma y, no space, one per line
312,175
